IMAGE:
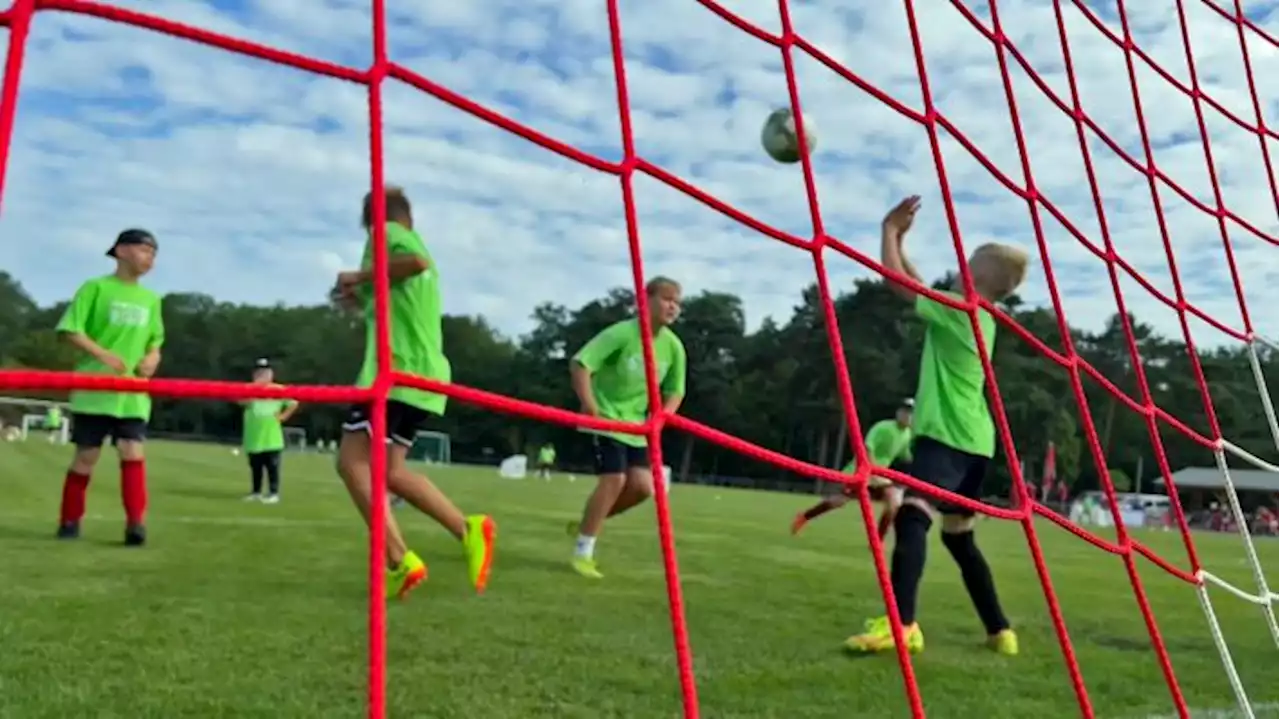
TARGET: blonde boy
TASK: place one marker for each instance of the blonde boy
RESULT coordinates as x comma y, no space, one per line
954,438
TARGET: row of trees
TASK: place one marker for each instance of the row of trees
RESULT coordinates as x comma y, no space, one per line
775,386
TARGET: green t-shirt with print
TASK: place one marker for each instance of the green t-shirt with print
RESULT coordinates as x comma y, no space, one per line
263,432
124,319
615,359
951,406
886,443
417,340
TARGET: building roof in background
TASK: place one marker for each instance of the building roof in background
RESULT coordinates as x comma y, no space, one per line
1248,480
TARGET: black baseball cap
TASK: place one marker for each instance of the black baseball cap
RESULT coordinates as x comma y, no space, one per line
133,236
908,403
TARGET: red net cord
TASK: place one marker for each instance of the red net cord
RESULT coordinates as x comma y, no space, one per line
1027,509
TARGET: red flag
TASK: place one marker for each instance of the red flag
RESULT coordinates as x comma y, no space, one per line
1050,473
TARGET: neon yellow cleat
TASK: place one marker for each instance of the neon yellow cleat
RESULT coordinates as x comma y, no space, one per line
878,637
401,580
586,567
477,544
1003,642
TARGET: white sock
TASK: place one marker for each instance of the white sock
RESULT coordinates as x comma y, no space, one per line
586,547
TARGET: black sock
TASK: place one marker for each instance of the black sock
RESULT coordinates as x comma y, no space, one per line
977,579
910,545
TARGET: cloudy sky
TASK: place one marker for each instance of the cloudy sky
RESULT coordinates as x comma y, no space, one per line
251,173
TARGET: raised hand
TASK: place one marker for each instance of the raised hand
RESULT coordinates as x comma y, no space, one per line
899,219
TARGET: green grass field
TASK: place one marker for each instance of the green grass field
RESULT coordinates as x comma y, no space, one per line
238,610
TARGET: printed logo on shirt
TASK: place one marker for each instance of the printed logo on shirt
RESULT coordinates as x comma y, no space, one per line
635,365
128,314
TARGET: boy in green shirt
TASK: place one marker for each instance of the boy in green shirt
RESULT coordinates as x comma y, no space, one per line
53,422
954,437
546,460
417,347
263,436
117,325
888,444
609,378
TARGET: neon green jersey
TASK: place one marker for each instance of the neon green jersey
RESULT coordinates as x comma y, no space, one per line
615,358
125,320
951,406
417,339
53,418
262,430
886,442
547,455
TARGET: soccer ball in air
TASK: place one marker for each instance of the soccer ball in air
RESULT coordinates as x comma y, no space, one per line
779,136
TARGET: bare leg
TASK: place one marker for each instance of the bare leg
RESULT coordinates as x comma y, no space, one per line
353,467
601,502
422,493
638,488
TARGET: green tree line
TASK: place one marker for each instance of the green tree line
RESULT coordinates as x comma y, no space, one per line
774,386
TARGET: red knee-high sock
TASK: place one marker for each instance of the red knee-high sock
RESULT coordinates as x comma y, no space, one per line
73,490
133,489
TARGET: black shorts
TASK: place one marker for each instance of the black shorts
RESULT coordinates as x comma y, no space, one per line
947,468
614,457
90,430
403,421
264,460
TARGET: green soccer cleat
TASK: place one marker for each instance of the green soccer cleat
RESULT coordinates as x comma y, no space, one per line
477,545
1003,642
878,637
401,580
586,567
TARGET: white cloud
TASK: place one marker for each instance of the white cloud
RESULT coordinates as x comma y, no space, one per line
251,173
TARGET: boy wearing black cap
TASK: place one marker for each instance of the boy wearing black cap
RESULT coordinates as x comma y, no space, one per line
116,323
263,440
888,444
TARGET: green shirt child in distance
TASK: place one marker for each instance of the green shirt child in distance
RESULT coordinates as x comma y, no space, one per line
608,376
262,437
417,348
546,460
118,327
547,454
264,425
888,442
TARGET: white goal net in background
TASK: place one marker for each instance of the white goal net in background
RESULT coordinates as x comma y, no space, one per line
23,418
295,439
431,447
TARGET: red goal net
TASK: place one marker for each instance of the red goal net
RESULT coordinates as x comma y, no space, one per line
822,247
